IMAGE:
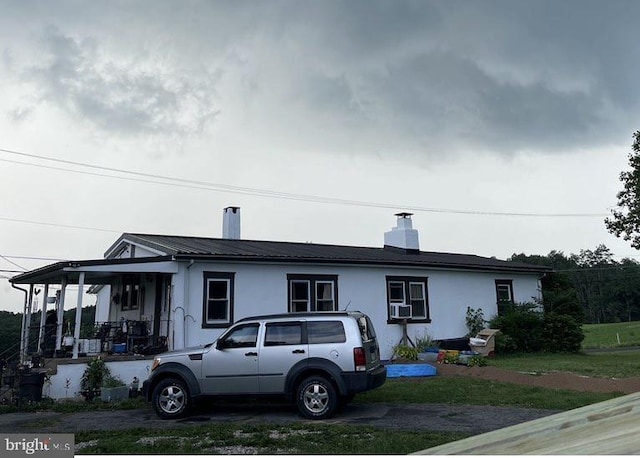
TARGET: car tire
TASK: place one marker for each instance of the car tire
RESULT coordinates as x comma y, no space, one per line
316,398
170,399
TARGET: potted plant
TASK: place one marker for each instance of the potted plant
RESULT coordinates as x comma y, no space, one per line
427,348
92,378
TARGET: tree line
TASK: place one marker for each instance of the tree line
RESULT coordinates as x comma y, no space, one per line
590,286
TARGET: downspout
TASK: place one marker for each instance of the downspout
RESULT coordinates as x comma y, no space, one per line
186,304
541,297
24,321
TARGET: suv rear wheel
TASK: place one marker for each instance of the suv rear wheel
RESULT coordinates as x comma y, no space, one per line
316,398
170,398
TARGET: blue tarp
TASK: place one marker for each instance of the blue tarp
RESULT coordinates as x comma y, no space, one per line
410,370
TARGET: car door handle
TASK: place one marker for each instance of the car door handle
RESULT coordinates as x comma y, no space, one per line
297,351
251,353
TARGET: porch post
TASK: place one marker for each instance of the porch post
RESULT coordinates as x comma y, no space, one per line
60,314
76,333
43,316
27,324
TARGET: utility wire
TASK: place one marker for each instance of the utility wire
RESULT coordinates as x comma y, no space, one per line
43,223
220,187
13,263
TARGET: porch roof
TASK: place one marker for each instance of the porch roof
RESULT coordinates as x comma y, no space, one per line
97,271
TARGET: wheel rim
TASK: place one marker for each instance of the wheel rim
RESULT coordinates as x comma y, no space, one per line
316,398
172,399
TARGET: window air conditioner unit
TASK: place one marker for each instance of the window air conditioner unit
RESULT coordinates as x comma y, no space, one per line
400,311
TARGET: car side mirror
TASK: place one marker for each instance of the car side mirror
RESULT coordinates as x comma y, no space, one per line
221,345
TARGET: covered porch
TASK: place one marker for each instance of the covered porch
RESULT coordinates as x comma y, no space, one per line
133,315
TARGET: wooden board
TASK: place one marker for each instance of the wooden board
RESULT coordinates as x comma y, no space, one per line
605,428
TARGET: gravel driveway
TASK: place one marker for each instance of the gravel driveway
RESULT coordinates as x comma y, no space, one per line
428,417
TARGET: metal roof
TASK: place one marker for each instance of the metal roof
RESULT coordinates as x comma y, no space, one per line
269,251
172,247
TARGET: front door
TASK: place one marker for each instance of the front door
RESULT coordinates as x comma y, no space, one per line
231,366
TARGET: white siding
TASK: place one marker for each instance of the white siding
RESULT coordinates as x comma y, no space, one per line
262,289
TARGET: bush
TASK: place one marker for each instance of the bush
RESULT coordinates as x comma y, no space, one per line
523,324
526,330
562,334
424,342
475,321
406,352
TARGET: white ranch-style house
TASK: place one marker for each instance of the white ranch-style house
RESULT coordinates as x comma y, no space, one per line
157,292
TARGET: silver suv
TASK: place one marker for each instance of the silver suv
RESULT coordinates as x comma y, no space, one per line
318,360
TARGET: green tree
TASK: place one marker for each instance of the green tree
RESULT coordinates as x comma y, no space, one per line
625,221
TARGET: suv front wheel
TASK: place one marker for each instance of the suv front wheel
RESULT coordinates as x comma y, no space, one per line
170,398
316,398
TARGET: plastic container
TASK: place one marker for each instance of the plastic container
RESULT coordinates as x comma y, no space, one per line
31,386
119,348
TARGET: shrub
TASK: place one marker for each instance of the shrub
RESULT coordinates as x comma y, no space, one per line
93,378
424,342
477,360
524,325
526,330
475,321
562,333
406,352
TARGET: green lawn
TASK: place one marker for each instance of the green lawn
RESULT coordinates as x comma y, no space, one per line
607,335
612,364
472,391
265,439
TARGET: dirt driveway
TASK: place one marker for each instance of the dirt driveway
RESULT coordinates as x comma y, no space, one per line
428,417
432,417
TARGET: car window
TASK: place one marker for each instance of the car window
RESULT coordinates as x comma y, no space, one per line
283,334
241,337
366,328
326,332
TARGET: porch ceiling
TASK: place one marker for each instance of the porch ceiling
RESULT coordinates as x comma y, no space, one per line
97,272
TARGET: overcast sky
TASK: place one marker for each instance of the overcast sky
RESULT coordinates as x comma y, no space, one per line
502,125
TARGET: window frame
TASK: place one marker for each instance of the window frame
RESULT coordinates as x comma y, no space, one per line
501,283
229,279
406,282
312,281
132,293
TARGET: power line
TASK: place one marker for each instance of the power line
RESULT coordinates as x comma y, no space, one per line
220,187
69,226
13,263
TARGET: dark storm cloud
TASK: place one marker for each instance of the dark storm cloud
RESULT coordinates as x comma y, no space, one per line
397,75
117,95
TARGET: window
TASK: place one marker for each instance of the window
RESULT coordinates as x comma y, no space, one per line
242,337
326,332
283,334
132,294
218,299
504,291
312,293
411,291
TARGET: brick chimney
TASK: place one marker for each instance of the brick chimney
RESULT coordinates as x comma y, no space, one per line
231,223
403,235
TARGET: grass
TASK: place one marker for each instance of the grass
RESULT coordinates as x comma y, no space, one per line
66,406
612,364
470,391
233,438
607,335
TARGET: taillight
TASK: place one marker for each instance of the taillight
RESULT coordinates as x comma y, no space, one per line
359,359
